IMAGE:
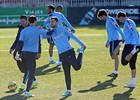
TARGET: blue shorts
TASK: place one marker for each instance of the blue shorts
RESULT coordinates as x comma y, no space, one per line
113,45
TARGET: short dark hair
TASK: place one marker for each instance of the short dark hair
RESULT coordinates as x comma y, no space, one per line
102,12
60,7
32,19
121,13
24,17
51,7
55,18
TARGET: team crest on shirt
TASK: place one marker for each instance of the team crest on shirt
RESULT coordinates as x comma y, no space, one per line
59,32
114,23
130,26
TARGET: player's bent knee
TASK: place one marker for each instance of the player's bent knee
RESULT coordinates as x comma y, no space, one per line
124,62
113,57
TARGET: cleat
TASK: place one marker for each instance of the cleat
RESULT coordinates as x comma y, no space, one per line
80,50
67,93
28,95
22,87
130,85
58,63
52,62
34,85
113,75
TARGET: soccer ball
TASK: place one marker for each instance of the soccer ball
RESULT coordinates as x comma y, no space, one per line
12,86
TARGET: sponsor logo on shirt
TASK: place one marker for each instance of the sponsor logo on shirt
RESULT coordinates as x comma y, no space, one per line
114,23
130,26
59,32
58,36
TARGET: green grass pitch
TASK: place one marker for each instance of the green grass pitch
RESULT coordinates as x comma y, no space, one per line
89,83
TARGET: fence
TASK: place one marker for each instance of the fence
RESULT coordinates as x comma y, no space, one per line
67,3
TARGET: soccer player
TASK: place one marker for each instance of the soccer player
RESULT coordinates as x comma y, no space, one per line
24,24
66,51
131,41
29,41
50,10
59,8
113,37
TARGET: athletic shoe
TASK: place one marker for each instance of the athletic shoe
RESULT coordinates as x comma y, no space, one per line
130,85
52,62
67,93
22,87
80,50
34,85
28,95
58,63
113,75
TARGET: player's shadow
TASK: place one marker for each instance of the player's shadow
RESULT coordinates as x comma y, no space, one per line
43,70
64,98
101,86
16,96
124,96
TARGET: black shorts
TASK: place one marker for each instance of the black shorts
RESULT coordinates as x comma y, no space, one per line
113,45
50,40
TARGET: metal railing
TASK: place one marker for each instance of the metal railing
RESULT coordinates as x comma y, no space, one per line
67,3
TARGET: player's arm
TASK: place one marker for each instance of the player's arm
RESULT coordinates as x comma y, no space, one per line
116,26
46,22
39,49
15,42
45,32
19,45
107,43
72,36
68,24
133,30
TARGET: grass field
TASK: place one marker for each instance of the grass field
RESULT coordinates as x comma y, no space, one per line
89,83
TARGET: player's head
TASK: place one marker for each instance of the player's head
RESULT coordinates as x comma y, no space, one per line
102,14
24,20
59,8
50,9
32,19
54,22
121,16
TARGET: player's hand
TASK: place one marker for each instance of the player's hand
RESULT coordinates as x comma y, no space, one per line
50,31
73,31
106,46
39,27
38,55
10,51
84,47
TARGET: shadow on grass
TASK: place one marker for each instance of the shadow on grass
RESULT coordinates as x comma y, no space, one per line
124,96
64,98
16,96
101,86
43,71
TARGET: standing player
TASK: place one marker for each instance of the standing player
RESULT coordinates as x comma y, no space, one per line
113,37
131,41
29,39
50,10
66,51
59,8
24,24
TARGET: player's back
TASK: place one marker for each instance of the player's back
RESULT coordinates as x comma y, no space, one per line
60,17
30,37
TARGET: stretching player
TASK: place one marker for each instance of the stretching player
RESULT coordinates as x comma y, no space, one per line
50,10
29,39
113,37
66,51
24,24
129,54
